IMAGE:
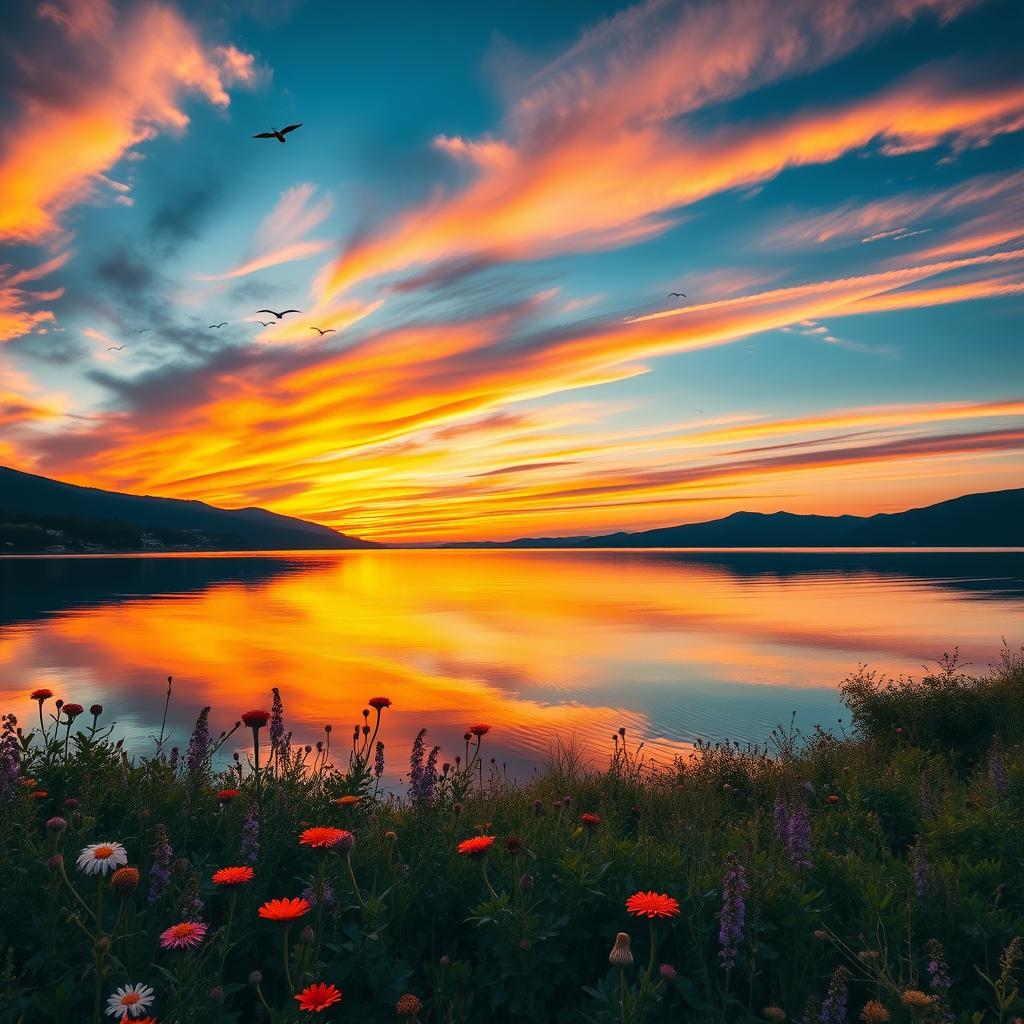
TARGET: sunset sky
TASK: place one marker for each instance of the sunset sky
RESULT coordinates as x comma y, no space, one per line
490,203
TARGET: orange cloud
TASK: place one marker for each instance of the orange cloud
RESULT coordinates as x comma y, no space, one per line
17,317
142,62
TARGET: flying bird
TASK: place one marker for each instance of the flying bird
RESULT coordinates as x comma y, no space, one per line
212,326
114,348
278,315
264,324
330,330
677,295
144,329
279,135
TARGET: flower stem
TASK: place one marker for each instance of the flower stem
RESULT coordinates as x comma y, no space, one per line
227,933
352,878
287,969
622,992
487,881
654,947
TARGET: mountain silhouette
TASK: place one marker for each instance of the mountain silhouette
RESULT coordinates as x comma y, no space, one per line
39,514
989,519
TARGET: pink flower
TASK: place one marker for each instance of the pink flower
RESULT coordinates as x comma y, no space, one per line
183,936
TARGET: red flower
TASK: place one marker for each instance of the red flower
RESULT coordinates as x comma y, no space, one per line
41,694
233,876
479,730
40,794
284,910
833,799
379,703
326,838
475,847
346,801
256,719
652,904
316,998
73,710
226,795
590,820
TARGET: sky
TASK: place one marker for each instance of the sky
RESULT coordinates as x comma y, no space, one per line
487,207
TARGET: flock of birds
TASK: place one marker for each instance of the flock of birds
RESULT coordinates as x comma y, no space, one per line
280,134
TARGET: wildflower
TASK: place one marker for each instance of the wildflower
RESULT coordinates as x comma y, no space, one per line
774,1013
99,858
820,935
732,918
621,955
514,845
307,936
868,955
42,694
798,836
124,881
538,807
652,904
378,760
391,836
255,979
323,894
199,747
217,993
997,767
276,723
72,803
40,794
73,711
56,824
475,847
326,838
56,861
833,1006
919,863
186,935
526,883
379,703
832,798
96,710
479,730
914,999
408,1005
875,1012
232,877
130,1001
251,835
317,997
160,870
225,796
256,719
422,775
591,821
284,910
668,972
346,801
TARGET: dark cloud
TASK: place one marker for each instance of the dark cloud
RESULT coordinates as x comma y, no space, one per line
126,272
185,209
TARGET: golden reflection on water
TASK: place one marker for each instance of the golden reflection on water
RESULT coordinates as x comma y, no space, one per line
533,643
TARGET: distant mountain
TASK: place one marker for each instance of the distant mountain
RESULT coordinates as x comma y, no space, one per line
38,514
991,519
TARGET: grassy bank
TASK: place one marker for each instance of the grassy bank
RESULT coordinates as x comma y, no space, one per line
873,876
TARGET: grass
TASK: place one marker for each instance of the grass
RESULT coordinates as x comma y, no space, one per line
873,876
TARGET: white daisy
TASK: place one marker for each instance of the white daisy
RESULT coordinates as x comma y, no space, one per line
130,1001
99,858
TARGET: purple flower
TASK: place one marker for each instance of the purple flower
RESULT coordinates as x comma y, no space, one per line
422,776
192,904
160,870
833,1006
10,761
326,895
919,863
199,747
276,724
798,836
734,911
378,760
251,835
939,980
781,821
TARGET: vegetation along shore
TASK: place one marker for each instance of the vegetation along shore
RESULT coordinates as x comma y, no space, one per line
870,876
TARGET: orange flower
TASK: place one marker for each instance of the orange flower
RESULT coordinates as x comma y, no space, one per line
40,794
379,703
124,881
233,876
284,910
316,998
833,799
408,1005
475,847
652,904
324,837
590,820
226,795
346,801
479,730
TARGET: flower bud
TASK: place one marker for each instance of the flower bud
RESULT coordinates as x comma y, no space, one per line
103,945
96,710
124,881
217,994
56,862
255,979
445,961
390,836
526,883
306,936
668,972
56,824
621,956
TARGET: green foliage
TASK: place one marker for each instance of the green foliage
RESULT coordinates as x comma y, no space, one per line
913,853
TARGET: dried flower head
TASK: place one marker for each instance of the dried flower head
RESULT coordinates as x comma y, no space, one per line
408,1005
875,1012
621,955
379,703
915,999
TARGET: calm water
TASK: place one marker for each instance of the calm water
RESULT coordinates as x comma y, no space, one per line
672,645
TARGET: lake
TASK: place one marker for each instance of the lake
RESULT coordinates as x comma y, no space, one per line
673,645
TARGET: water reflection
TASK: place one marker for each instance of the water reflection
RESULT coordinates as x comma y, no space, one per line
671,645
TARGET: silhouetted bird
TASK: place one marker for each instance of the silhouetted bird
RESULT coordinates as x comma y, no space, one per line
279,135
114,348
278,315
264,324
330,330
144,329
212,326
677,295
